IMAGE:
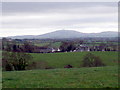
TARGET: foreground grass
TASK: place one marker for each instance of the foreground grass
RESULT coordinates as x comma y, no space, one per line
95,77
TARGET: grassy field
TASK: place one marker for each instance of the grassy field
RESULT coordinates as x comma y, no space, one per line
42,44
55,44
96,77
77,77
59,60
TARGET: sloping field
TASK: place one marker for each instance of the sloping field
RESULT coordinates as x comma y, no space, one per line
77,77
59,60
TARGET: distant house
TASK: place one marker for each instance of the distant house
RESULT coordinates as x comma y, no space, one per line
55,50
74,51
81,48
58,49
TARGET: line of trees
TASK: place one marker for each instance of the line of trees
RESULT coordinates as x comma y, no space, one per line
13,47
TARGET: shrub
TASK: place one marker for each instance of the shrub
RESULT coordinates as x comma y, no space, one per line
17,60
8,67
91,60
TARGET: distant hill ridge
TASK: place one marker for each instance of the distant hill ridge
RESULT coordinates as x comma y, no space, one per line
67,34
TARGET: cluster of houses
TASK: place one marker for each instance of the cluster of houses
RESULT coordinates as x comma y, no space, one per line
80,48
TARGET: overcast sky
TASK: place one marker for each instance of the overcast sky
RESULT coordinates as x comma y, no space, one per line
37,18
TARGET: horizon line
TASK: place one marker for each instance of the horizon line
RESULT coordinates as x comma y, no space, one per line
58,30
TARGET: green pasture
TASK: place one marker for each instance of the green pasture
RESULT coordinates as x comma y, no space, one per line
42,44
59,77
95,77
56,44
59,60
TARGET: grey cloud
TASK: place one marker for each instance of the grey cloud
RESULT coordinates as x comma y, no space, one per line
57,23
43,7
58,15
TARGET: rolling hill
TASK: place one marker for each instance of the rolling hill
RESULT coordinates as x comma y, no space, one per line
59,34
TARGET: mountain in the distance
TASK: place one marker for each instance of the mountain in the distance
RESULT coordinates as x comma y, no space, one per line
67,34
62,34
